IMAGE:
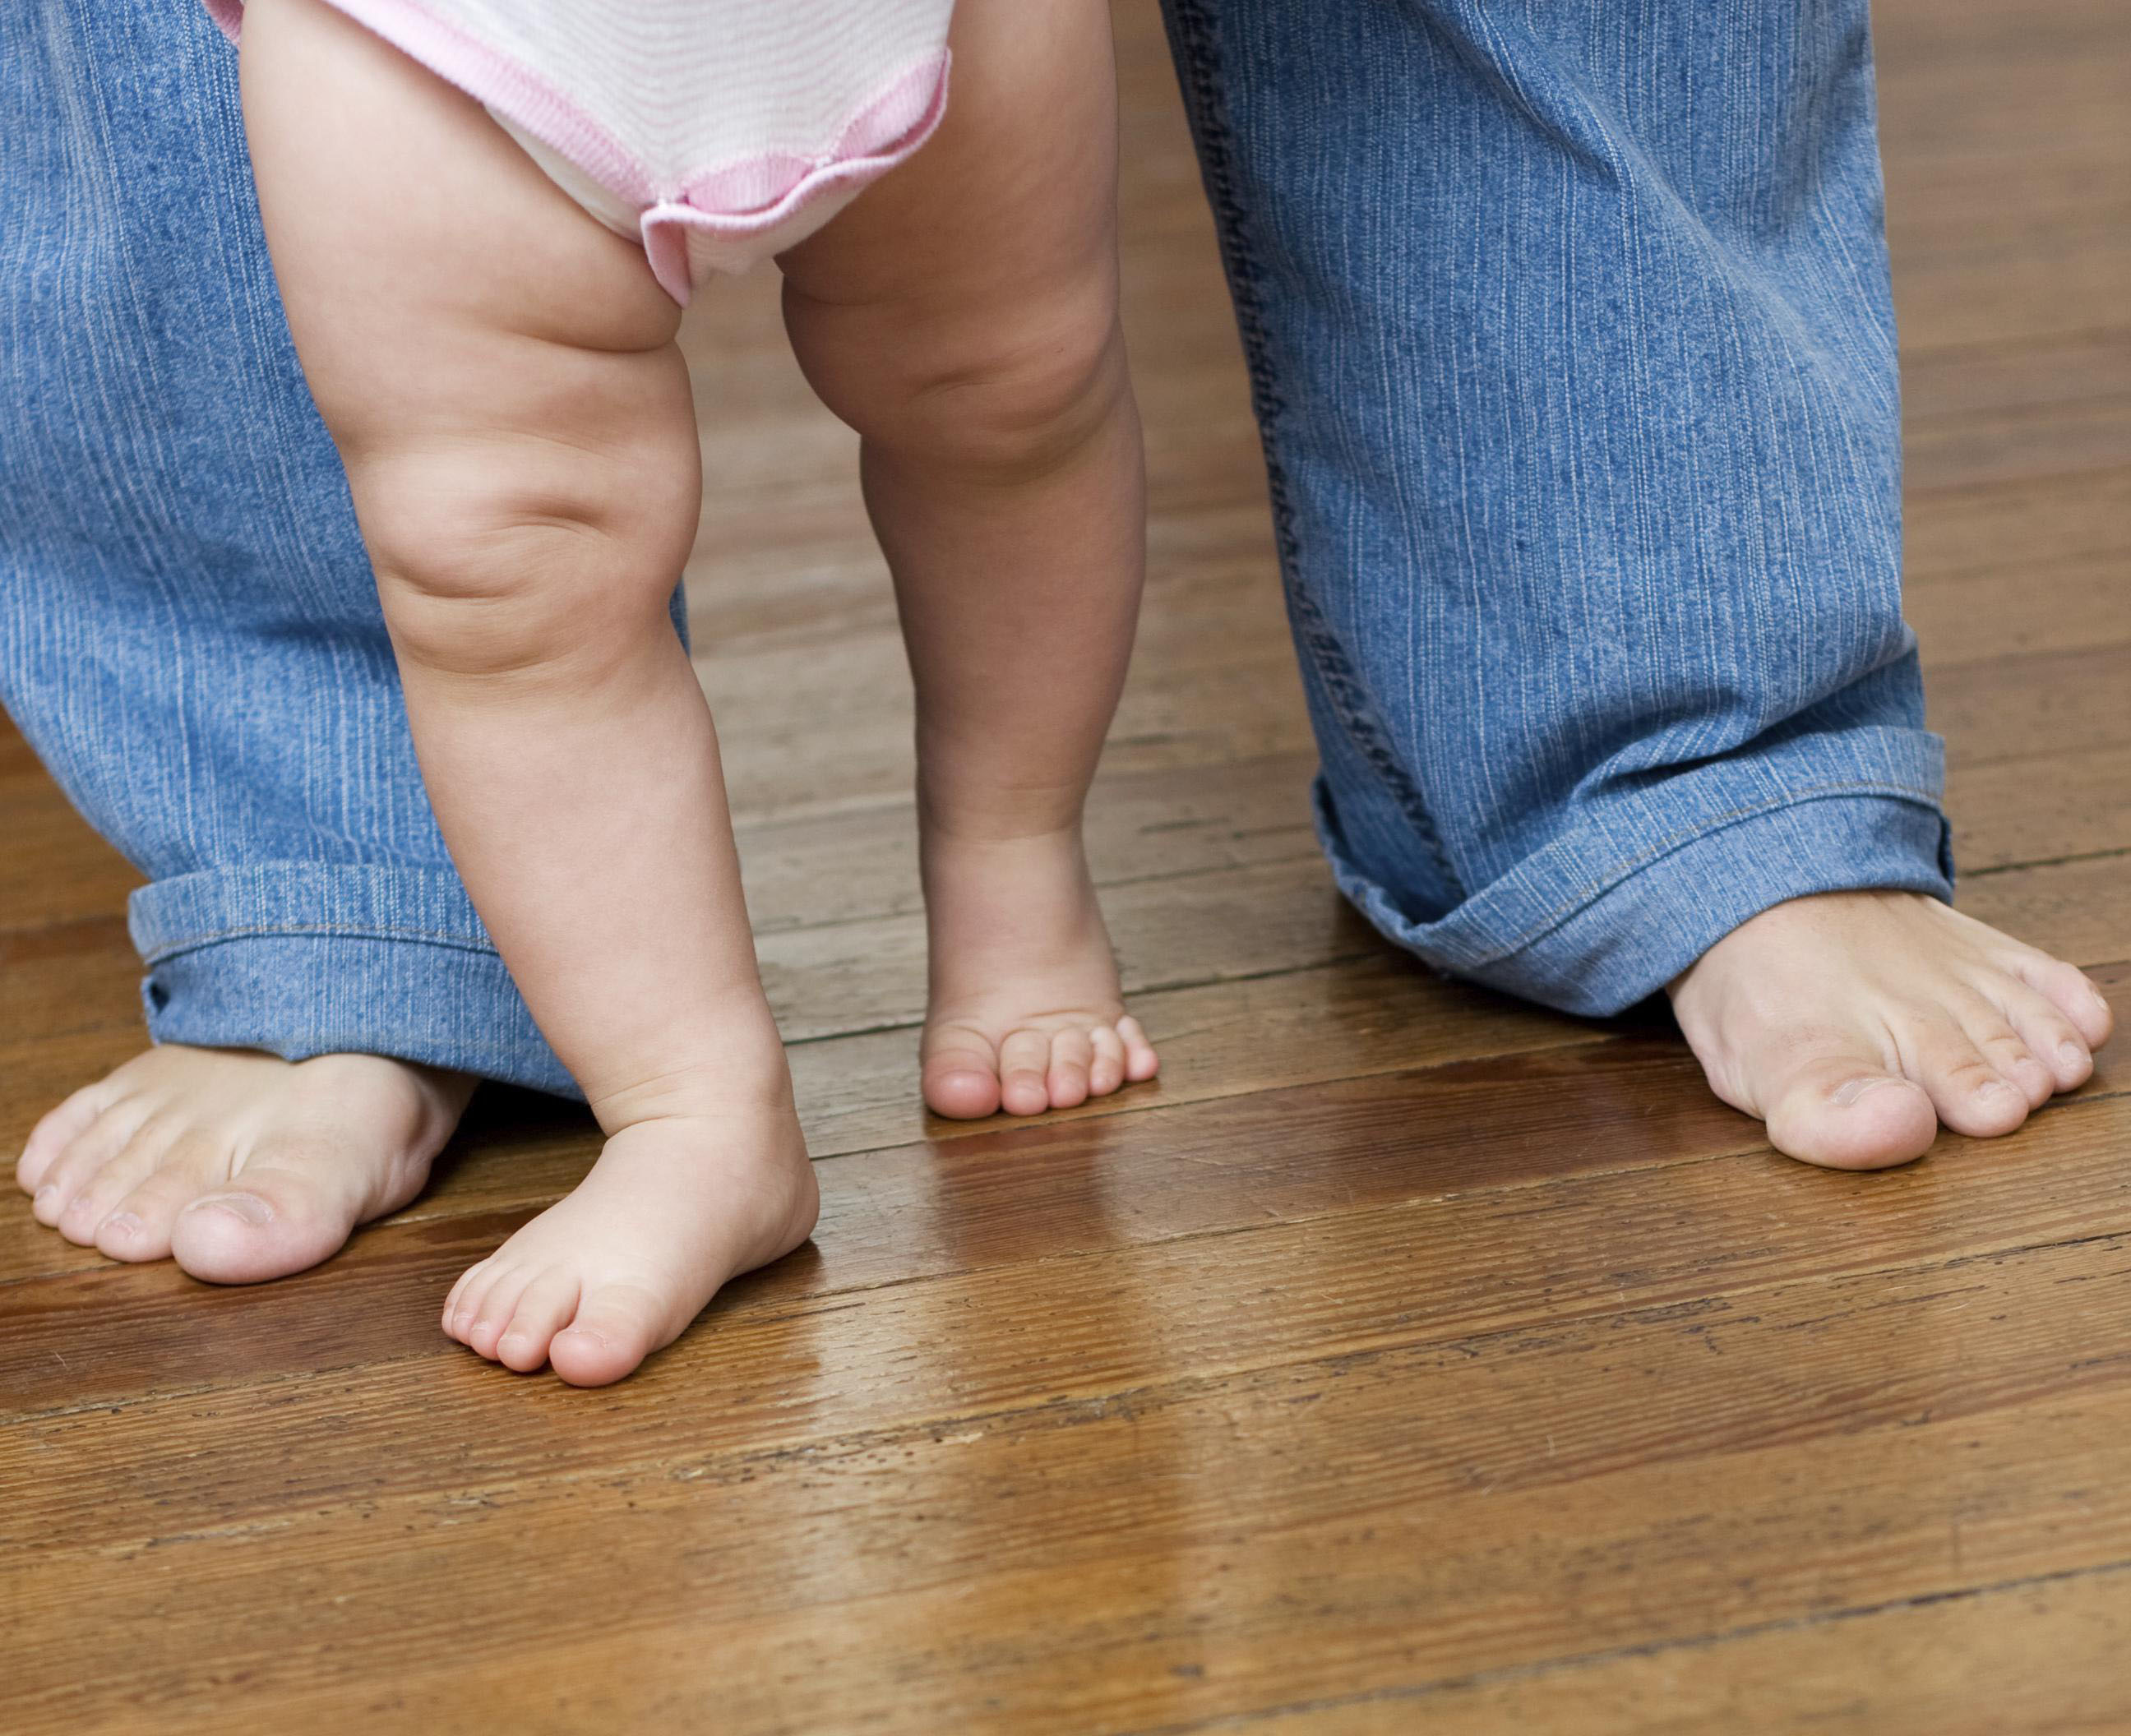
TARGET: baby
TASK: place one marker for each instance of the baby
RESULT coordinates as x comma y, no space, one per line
484,301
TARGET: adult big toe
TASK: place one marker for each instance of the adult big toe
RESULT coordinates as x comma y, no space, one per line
1843,1112
284,1213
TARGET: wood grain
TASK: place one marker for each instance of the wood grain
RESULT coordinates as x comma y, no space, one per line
1406,1358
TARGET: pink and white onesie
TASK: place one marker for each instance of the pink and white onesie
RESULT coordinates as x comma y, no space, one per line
717,132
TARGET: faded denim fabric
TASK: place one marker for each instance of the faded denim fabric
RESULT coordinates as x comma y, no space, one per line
189,633
1571,346
1569,334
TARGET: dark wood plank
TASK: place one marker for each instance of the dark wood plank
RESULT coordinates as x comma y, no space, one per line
1583,1405
1405,1359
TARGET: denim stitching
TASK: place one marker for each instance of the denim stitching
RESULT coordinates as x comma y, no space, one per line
1192,36
165,951
1707,827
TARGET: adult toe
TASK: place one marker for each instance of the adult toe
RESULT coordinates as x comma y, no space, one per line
100,1195
2010,1054
57,1130
2072,992
2059,1043
83,1157
1847,1112
1970,1095
139,1227
274,1217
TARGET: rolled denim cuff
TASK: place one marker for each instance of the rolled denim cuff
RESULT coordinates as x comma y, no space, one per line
1610,912
303,958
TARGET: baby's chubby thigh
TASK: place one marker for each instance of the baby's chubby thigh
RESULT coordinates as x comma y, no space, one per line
963,311
496,367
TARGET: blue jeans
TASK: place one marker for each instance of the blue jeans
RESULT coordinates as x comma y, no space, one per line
1572,349
1571,344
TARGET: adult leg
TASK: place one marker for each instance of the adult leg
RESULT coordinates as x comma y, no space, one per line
963,316
190,638
1573,354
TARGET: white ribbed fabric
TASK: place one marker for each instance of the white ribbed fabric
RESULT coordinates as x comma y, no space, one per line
720,131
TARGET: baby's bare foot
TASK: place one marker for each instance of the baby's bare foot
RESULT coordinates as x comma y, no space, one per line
241,1166
1856,1023
1026,1014
675,1207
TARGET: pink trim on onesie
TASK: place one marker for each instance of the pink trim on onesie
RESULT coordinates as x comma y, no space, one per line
747,196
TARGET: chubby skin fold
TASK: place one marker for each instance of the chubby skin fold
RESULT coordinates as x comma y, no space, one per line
500,376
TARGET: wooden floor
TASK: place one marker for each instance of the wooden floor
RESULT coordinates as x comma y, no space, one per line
1408,1359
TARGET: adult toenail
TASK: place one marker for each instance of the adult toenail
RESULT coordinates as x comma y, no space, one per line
1850,1090
248,1207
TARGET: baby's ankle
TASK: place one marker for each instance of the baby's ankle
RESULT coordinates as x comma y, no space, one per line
958,812
746,1078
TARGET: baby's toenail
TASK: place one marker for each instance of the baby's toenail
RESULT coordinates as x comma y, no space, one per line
248,1207
123,1223
1850,1090
1995,1087
47,1196
2070,1054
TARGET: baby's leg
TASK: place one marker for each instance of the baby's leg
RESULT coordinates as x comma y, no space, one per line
963,316
500,373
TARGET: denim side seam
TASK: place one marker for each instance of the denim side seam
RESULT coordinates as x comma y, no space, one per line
162,954
1193,35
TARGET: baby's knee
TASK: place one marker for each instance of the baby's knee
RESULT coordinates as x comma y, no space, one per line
505,555
1003,395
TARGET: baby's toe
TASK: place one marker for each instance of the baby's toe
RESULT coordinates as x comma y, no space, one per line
448,1315
462,1306
616,1327
498,1304
1072,1054
547,1304
1140,1061
1024,1067
1106,1072
960,1076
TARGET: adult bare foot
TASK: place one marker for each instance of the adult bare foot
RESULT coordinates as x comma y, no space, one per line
1025,1013
678,1203
241,1165
1855,1023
